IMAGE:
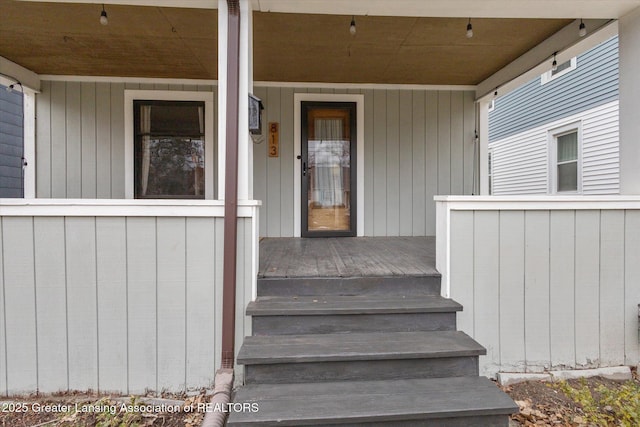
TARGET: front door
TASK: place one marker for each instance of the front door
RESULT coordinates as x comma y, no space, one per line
328,169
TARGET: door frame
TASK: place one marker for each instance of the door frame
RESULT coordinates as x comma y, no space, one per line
298,98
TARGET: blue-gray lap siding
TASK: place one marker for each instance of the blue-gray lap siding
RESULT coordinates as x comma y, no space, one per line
11,143
594,82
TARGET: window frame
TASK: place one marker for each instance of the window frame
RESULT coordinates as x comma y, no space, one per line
549,76
553,135
168,95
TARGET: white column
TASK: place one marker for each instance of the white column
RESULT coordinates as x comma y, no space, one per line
29,100
629,39
245,148
483,136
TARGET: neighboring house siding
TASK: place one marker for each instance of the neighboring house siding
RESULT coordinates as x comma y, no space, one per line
115,304
80,137
594,82
11,143
418,143
521,162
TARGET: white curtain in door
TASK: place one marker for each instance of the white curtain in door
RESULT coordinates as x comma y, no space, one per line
328,185
145,130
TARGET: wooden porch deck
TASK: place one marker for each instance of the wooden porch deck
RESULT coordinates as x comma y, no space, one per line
347,257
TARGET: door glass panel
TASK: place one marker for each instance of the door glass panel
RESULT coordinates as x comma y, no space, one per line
329,169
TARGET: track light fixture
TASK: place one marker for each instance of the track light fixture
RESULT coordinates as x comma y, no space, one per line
352,27
103,16
582,29
469,29
554,64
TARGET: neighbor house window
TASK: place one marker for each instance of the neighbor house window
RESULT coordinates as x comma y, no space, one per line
169,149
566,170
560,70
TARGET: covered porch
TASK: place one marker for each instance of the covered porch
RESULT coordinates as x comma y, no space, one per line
421,90
347,257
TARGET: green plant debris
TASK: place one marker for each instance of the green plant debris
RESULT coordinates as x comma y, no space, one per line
605,405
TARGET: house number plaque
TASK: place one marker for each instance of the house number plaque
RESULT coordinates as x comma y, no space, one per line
273,139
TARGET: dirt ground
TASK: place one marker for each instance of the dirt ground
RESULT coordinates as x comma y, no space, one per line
541,404
544,404
87,409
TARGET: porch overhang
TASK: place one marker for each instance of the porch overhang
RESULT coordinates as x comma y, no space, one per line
400,42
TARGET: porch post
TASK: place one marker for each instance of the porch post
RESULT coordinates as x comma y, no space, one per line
629,50
483,155
245,145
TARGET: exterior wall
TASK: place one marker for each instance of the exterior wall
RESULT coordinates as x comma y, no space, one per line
593,83
80,137
520,162
115,303
11,142
547,286
418,143
520,123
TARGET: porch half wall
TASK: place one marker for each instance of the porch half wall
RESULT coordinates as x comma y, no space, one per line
545,283
114,296
418,144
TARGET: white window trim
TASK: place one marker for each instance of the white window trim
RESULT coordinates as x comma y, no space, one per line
168,95
297,142
552,136
548,77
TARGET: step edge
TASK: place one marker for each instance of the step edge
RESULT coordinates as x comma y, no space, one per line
271,360
252,311
389,417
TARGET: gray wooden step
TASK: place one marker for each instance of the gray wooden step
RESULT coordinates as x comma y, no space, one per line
358,356
428,284
443,402
360,313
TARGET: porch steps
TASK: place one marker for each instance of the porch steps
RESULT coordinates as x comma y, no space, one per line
344,314
358,356
427,284
364,351
450,402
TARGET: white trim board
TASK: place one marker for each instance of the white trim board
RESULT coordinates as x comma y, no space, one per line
117,79
389,86
319,85
168,95
297,185
122,208
524,203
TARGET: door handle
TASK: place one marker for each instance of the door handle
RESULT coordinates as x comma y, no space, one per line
304,168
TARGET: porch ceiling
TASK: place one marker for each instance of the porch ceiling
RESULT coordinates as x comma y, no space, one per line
67,39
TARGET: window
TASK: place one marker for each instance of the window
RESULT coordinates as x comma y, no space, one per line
492,105
169,149
169,145
565,164
560,70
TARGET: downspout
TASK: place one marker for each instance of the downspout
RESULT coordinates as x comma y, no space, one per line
231,187
224,376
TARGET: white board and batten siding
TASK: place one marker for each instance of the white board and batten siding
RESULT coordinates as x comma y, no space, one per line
418,144
546,285
520,162
115,303
80,150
